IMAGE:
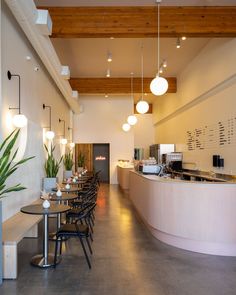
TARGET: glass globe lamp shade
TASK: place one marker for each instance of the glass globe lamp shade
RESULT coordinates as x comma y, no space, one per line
72,145
19,121
63,141
159,86
50,135
132,120
142,107
126,127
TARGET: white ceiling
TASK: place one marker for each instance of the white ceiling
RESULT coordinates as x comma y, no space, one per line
134,2
87,57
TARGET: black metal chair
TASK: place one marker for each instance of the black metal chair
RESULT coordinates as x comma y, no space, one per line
77,229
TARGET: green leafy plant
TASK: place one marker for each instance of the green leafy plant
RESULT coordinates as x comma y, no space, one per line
51,165
81,160
7,164
68,161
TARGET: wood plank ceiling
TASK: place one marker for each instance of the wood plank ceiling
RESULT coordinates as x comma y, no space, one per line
133,22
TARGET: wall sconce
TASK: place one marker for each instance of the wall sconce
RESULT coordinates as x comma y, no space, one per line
63,140
72,144
19,120
49,134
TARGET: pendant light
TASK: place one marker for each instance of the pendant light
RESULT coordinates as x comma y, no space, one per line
132,119
142,106
126,127
159,85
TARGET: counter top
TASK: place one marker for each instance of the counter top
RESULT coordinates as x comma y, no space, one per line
169,179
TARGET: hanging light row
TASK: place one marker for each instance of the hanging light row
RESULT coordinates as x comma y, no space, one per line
132,119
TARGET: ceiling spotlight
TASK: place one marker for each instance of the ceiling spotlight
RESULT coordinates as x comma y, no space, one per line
108,74
126,127
161,70
106,95
109,57
183,38
164,63
178,43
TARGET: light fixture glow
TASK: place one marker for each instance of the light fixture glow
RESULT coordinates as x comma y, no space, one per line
106,95
183,38
72,145
109,57
132,120
161,70
50,135
159,85
142,107
126,127
63,141
164,63
19,120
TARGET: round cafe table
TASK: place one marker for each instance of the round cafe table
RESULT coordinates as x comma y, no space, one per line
46,259
64,198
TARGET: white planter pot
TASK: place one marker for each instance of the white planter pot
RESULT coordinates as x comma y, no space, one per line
67,174
49,184
80,169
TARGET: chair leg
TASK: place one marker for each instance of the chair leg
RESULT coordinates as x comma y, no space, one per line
89,246
55,254
60,245
85,252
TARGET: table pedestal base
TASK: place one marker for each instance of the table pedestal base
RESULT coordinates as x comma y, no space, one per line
39,260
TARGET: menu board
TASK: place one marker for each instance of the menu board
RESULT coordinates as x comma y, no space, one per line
220,134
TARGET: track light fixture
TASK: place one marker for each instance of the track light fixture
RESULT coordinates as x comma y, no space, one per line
109,57
108,74
178,43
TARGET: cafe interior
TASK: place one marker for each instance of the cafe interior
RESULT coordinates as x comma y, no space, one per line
117,147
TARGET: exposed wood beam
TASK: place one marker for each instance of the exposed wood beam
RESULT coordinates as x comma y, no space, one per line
116,85
132,22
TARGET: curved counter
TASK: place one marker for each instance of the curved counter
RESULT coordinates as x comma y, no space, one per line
123,175
196,216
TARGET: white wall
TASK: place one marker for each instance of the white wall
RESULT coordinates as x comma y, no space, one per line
144,133
206,96
101,122
37,88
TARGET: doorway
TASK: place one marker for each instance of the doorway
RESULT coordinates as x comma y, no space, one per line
101,160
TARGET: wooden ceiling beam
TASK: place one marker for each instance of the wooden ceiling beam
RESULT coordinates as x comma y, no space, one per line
116,85
133,22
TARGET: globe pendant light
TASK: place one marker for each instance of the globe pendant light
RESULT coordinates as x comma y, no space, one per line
159,85
142,106
132,119
126,127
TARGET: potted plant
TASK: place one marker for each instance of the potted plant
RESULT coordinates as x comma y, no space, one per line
7,168
51,168
68,164
81,162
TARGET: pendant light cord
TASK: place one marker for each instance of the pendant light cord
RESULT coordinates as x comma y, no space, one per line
131,85
142,67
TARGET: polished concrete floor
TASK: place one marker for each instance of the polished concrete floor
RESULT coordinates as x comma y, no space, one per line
127,260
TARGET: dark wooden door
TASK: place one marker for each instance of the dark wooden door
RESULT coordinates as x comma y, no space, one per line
101,160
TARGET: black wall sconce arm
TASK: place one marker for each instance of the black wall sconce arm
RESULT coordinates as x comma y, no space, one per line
10,75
